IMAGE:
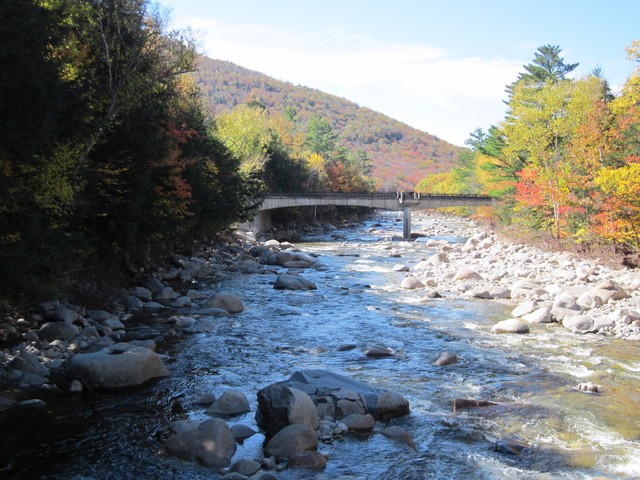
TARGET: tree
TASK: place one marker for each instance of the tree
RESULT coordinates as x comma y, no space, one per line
543,121
321,138
246,133
547,66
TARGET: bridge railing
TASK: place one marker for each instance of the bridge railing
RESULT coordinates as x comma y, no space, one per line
372,195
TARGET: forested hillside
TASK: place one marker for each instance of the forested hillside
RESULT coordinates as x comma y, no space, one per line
401,155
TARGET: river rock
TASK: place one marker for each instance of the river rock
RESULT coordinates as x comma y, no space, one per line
467,274
202,325
411,283
400,267
280,405
292,440
27,362
489,293
227,301
63,314
245,467
308,460
541,315
510,446
356,422
132,302
339,396
231,402
465,403
579,324
438,259
399,434
241,432
143,293
512,325
446,358
286,281
31,380
617,292
118,366
210,444
523,287
377,351
166,294
300,264
61,330
523,308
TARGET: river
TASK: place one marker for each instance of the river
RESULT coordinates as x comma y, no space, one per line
571,435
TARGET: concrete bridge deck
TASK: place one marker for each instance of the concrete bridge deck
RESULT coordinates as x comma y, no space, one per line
404,201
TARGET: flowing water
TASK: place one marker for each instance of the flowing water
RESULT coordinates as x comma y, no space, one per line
571,435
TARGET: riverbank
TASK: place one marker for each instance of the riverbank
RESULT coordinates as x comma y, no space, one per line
583,294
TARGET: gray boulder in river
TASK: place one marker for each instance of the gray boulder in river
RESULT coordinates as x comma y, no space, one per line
334,395
118,366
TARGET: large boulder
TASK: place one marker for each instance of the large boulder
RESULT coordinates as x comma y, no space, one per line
339,396
226,301
280,405
292,440
118,366
211,444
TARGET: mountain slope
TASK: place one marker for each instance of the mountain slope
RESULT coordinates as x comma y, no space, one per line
401,155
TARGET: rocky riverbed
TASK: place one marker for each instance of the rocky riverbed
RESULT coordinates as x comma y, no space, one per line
584,295
68,348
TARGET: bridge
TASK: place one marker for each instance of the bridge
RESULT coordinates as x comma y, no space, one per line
400,201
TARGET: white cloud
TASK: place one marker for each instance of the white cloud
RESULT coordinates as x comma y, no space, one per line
422,85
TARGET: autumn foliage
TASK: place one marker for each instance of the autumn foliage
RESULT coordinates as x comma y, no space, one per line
565,160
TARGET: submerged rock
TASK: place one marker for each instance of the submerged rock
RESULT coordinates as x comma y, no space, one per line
446,358
211,444
399,434
286,281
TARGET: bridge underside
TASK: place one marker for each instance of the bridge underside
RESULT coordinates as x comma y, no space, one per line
263,223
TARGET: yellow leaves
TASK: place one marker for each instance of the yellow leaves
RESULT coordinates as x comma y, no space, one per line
624,182
316,162
633,51
246,133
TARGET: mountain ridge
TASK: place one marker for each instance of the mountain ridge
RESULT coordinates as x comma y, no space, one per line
401,155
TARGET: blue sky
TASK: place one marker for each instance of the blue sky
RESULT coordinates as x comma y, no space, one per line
439,66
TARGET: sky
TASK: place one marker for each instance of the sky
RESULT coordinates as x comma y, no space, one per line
438,66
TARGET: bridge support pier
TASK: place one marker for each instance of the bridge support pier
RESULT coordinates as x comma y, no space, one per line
262,222
406,223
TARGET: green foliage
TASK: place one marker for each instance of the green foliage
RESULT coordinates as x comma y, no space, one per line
106,154
321,138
